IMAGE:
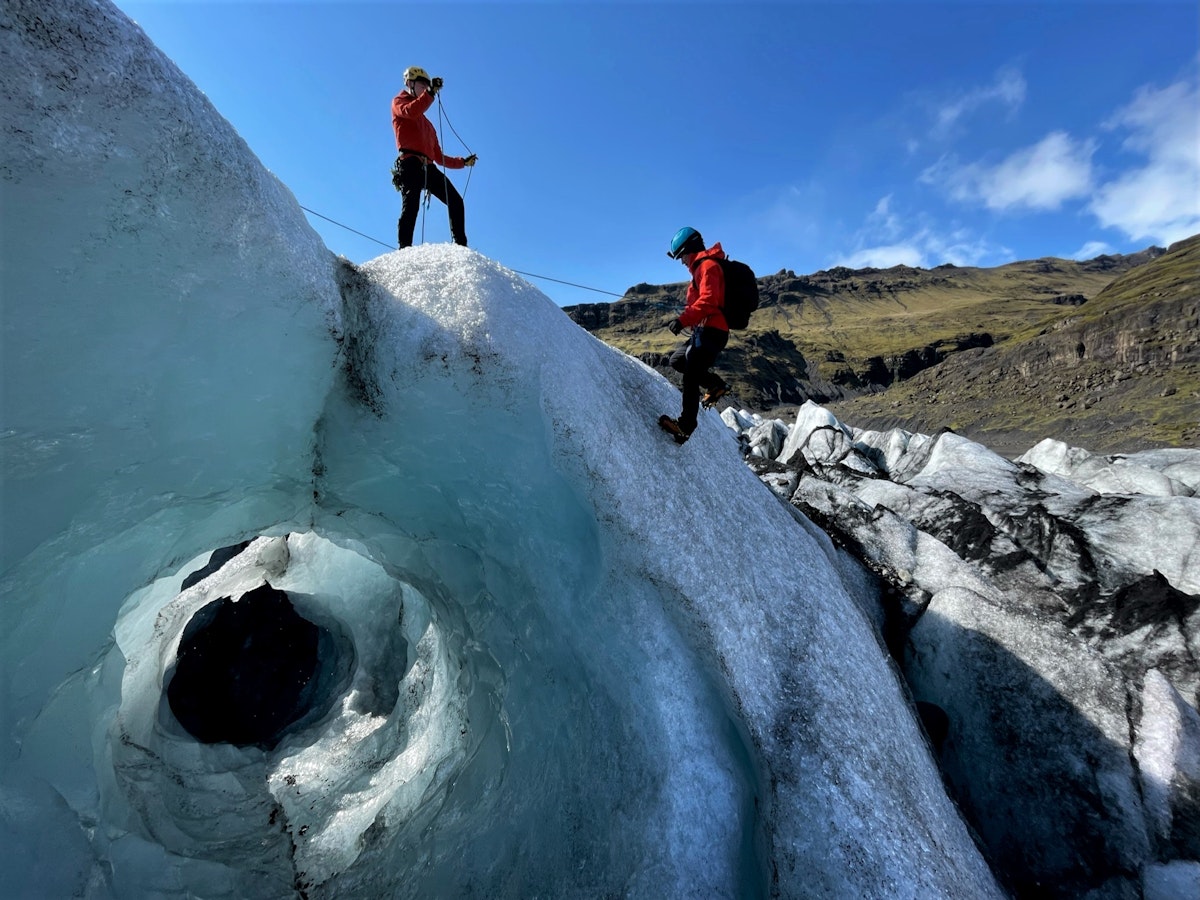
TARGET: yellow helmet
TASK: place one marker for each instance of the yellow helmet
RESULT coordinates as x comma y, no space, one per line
414,73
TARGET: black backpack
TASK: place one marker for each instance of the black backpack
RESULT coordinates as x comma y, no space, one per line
741,292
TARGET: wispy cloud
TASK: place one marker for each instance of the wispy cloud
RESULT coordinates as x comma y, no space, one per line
1091,250
1160,198
1007,90
887,239
885,257
1153,192
1042,177
883,220
961,247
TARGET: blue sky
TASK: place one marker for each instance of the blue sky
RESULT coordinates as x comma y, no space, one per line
802,135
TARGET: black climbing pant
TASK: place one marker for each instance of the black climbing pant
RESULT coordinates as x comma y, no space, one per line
693,361
416,176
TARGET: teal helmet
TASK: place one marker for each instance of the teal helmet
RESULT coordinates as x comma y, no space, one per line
686,240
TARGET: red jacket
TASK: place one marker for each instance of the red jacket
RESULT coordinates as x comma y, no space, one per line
706,293
415,132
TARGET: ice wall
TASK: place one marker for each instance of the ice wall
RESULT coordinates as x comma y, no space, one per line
567,653
167,328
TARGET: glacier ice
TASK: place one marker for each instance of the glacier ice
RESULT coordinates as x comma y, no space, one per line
567,656
1045,612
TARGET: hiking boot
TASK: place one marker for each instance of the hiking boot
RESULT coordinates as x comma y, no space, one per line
673,428
711,397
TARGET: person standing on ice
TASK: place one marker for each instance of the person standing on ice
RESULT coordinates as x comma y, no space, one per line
704,314
416,168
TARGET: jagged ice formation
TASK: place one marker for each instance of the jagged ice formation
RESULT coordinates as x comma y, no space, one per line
1045,612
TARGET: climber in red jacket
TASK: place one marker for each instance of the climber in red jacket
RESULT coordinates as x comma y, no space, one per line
704,314
420,155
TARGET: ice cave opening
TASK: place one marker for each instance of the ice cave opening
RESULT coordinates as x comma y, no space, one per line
249,669
213,737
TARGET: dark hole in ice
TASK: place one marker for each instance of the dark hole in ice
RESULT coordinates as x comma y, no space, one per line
936,723
215,561
247,670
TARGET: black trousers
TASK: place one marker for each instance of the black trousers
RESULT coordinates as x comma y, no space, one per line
416,176
693,361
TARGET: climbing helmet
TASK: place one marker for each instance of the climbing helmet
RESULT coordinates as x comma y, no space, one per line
416,73
686,240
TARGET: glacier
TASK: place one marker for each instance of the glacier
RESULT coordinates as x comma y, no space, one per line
559,656
1045,613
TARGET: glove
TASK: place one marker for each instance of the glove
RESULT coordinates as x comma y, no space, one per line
675,327
470,160
435,85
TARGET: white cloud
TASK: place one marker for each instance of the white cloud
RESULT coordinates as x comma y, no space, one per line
884,257
1160,200
1041,177
926,249
1163,123
884,220
1091,250
1008,90
961,248
887,240
1156,198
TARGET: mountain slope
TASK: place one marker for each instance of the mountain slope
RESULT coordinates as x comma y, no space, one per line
1119,373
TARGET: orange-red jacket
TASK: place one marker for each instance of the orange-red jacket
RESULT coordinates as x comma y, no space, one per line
706,293
415,132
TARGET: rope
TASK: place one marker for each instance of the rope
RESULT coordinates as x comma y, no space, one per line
425,194
442,116
347,227
448,122
518,271
445,177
